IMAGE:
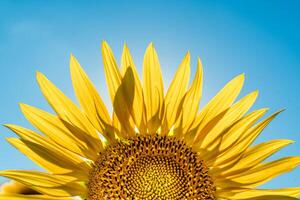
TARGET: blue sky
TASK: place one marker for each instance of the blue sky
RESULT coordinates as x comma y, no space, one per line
258,38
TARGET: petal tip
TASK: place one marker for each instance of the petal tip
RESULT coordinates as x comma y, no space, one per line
188,56
255,93
23,106
104,45
199,62
103,42
39,76
150,46
290,141
242,76
9,126
72,57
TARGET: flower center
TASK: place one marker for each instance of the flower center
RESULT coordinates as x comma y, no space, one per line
150,167
160,176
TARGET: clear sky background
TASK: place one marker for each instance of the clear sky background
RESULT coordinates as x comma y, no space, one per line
259,38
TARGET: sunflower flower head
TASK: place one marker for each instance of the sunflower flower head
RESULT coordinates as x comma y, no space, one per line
154,145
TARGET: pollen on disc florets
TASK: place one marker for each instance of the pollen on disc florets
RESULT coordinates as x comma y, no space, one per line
150,167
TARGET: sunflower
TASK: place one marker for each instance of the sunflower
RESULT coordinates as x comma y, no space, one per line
153,146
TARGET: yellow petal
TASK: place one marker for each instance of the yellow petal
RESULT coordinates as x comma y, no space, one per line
265,172
260,194
123,103
230,137
69,112
222,101
13,190
116,123
32,197
192,99
153,89
233,114
89,99
112,73
176,92
277,197
52,127
118,88
137,110
51,160
14,187
49,184
239,128
256,155
43,151
232,154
